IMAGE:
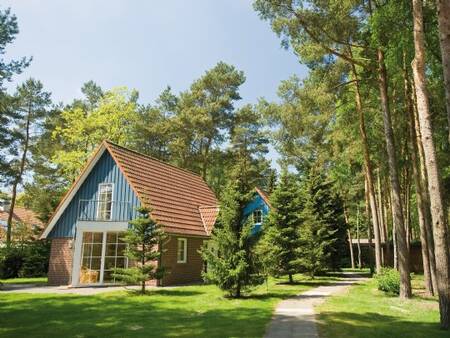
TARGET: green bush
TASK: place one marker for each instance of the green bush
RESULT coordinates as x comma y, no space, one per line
35,261
24,260
388,280
11,260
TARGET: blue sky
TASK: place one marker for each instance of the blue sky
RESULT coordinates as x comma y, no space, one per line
147,45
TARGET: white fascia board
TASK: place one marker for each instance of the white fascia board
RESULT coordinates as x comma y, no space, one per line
73,191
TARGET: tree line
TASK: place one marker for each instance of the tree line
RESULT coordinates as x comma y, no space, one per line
373,112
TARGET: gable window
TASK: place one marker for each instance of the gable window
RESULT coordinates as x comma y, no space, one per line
181,250
257,216
105,194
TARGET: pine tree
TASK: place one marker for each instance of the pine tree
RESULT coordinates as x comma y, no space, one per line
323,231
31,106
232,264
330,210
143,239
281,241
314,239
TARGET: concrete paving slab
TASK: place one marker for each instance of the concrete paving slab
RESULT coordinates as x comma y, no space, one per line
295,317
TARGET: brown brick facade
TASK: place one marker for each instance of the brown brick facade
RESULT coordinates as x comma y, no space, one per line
60,265
182,273
61,256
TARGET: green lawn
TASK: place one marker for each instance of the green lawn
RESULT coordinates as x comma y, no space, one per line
190,311
34,280
366,312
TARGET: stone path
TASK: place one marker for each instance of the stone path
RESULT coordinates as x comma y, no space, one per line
295,317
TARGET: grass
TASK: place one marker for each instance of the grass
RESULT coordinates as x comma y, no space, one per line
366,312
34,280
191,311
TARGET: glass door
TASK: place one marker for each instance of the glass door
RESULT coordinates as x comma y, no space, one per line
101,253
91,257
114,255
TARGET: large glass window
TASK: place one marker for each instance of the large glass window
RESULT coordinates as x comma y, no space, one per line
105,194
114,255
101,253
182,250
91,257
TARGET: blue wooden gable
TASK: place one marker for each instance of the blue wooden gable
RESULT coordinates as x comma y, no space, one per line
83,203
257,203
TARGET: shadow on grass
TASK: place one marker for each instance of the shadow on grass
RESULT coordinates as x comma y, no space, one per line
181,313
375,325
175,292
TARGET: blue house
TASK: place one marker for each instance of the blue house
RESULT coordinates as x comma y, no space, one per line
258,208
87,227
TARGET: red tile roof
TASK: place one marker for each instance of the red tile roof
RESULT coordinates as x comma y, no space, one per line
209,216
175,195
21,215
264,196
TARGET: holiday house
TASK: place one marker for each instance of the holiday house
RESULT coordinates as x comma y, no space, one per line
87,227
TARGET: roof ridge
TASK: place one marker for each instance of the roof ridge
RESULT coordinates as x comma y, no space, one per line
153,158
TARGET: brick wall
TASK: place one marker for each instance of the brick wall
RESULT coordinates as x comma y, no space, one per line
60,265
61,255
182,273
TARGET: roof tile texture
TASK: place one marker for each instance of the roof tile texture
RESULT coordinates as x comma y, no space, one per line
175,195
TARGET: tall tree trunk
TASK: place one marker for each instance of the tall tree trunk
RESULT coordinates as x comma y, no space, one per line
443,13
358,239
407,208
349,235
380,209
425,194
372,255
381,220
402,250
386,230
350,244
394,242
417,182
368,170
434,183
17,180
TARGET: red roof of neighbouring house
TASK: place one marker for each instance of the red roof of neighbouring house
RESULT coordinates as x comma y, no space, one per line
174,194
22,215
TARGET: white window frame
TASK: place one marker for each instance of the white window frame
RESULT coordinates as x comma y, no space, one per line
87,226
99,201
184,258
253,216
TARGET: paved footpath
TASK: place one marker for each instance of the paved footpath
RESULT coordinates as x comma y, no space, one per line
295,317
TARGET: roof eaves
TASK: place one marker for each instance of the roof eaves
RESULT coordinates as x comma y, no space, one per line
264,196
73,188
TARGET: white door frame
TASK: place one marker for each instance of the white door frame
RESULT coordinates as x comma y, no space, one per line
94,226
